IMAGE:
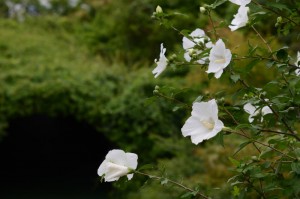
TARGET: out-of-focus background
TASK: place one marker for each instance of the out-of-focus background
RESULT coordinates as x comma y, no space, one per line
75,78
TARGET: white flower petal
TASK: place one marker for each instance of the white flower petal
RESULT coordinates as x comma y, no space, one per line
116,156
114,171
187,44
240,2
131,161
193,126
249,108
187,57
218,74
266,110
240,19
161,63
129,176
197,33
102,169
297,71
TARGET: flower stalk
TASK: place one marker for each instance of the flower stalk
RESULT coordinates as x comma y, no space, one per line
197,193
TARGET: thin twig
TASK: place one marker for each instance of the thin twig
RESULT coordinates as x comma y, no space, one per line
213,25
173,182
274,11
265,42
279,132
237,123
173,100
266,145
266,58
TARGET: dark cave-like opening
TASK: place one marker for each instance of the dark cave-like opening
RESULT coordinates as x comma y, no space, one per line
43,157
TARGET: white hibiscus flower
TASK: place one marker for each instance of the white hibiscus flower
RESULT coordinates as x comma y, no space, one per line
198,37
219,58
240,19
254,111
117,163
161,63
203,123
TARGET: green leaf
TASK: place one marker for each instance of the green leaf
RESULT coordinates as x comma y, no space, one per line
236,191
235,77
220,139
234,161
199,98
282,54
187,195
251,65
164,181
297,152
146,167
217,3
296,167
241,146
279,6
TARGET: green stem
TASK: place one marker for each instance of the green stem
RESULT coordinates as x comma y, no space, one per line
213,25
173,100
274,11
261,143
173,182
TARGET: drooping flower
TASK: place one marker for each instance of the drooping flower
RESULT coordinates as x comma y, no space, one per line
240,2
203,123
240,19
117,163
219,58
161,63
198,38
296,63
254,111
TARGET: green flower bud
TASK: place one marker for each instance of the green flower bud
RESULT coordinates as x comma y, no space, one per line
156,87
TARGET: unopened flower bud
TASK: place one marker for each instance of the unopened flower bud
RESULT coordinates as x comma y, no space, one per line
173,56
158,9
202,10
279,19
254,158
191,52
155,92
156,87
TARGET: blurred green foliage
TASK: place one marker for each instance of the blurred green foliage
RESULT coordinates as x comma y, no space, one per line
46,70
51,64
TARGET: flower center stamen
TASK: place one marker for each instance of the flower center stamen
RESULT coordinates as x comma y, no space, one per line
220,61
208,124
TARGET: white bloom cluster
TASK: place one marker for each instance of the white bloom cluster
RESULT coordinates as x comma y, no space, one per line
199,38
254,111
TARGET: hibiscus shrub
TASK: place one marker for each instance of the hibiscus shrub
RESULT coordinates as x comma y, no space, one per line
263,115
